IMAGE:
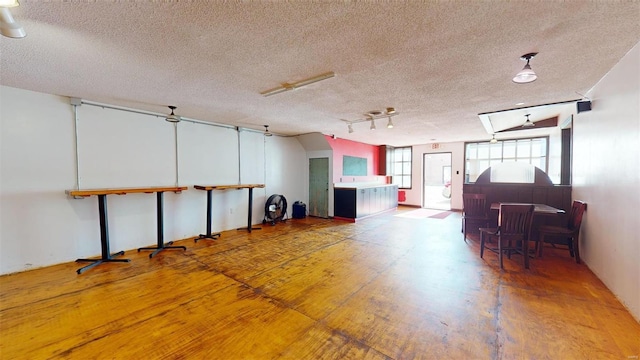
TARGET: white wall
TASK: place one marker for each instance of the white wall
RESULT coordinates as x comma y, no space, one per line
415,194
40,225
606,175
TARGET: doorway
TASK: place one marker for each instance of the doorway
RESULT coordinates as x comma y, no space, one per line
319,187
437,181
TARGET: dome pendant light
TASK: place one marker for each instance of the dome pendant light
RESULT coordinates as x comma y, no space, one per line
528,123
266,130
390,123
493,139
526,75
173,118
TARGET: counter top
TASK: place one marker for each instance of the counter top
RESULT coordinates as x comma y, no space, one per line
359,185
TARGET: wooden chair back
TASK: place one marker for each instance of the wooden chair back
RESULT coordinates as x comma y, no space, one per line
514,221
575,216
474,205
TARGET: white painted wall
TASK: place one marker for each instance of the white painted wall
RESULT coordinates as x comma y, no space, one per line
606,175
415,194
40,225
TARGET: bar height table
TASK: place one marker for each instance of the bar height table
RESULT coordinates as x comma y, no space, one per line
106,255
209,189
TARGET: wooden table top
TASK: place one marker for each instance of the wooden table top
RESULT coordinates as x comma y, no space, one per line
541,209
225,187
122,191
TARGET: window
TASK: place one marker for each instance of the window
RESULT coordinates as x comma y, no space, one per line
481,155
402,167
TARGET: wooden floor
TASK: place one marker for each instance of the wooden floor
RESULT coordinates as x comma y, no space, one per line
386,287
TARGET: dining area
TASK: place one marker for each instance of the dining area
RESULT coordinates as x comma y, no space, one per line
510,218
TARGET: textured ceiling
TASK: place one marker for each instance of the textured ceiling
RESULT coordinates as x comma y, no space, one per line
439,64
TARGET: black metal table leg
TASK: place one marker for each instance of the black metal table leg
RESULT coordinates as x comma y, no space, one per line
161,244
104,239
249,225
208,234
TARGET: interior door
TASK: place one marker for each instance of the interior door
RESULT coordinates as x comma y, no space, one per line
319,187
437,181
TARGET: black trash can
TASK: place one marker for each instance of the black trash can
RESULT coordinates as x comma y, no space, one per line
299,210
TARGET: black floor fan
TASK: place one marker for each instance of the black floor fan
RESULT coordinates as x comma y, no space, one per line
275,209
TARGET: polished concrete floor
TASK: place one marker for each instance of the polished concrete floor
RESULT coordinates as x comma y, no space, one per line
387,287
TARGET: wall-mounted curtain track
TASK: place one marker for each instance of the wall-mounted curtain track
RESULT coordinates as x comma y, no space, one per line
239,158
75,128
175,135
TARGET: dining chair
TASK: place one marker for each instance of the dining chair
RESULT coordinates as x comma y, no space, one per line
512,234
565,235
474,213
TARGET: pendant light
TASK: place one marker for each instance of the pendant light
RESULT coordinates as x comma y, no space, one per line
266,130
173,118
493,139
8,26
373,125
528,123
526,75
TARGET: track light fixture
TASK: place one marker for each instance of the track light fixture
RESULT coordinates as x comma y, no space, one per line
8,26
526,75
298,84
373,115
173,118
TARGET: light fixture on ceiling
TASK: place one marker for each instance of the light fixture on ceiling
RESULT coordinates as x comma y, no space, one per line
173,118
390,123
526,75
266,130
493,139
8,26
298,84
373,115
528,123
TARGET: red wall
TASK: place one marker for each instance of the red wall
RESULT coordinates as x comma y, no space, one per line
343,147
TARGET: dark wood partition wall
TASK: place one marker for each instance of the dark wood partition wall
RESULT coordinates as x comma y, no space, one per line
558,196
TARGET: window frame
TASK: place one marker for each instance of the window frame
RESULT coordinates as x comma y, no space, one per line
501,159
399,160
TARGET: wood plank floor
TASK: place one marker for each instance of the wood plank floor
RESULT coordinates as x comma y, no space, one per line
387,287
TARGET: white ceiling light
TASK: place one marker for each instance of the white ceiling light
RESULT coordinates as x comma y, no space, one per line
298,84
172,118
390,123
493,139
266,130
373,125
350,126
528,123
526,75
8,26
9,3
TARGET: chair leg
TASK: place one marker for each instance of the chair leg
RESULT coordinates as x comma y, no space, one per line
500,252
481,244
574,241
541,244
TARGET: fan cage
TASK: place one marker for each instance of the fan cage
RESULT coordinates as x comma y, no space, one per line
275,209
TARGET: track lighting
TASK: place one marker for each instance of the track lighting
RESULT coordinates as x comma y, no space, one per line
373,115
298,84
8,26
526,75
